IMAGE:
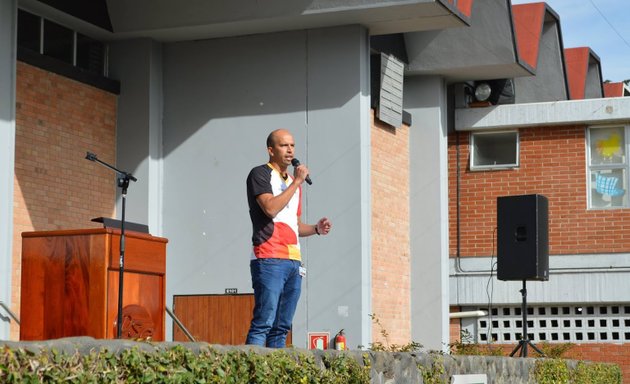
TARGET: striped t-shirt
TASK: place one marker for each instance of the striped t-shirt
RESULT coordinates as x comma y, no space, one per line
278,237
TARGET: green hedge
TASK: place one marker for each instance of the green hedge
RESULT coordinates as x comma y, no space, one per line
178,365
558,371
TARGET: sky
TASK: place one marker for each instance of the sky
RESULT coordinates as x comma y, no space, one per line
602,25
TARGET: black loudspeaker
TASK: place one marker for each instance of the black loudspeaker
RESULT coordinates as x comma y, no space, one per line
522,238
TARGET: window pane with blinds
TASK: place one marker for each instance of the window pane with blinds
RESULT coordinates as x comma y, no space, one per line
90,54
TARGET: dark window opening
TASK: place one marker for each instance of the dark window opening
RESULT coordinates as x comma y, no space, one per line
90,54
29,27
58,42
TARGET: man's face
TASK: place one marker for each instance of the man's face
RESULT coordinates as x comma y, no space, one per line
283,148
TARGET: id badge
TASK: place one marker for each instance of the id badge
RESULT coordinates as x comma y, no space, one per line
302,271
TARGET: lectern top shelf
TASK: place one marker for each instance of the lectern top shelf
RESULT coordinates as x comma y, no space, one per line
129,226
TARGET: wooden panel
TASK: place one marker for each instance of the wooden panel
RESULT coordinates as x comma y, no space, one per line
99,249
139,289
242,310
220,324
210,317
33,275
142,253
184,313
216,319
57,279
75,300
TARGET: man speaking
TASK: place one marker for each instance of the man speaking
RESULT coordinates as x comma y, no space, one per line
275,205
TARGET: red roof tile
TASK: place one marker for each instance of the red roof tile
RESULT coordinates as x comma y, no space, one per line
464,6
528,26
576,60
613,89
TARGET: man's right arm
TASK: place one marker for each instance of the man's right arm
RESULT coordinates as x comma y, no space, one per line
272,205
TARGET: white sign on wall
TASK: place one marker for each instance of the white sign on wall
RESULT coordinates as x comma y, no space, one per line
470,379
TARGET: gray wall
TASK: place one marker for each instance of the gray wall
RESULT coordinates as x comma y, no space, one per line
593,87
549,82
137,65
8,12
572,279
221,99
425,99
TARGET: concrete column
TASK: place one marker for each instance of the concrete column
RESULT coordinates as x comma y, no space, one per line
425,99
8,38
137,64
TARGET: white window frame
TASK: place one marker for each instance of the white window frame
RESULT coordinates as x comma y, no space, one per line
474,167
624,166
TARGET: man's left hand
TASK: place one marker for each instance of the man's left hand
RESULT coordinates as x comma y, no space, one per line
323,226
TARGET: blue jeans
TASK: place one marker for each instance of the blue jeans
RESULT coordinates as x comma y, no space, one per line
277,284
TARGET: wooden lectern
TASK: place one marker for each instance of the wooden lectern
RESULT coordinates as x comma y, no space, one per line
70,284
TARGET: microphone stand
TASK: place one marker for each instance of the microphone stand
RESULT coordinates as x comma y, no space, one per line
123,183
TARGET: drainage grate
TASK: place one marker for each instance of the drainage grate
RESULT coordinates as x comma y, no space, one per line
558,324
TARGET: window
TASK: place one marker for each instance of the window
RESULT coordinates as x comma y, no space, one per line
51,39
90,54
58,42
494,150
607,167
29,31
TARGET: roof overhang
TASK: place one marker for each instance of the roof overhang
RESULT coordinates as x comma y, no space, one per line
569,112
485,50
167,20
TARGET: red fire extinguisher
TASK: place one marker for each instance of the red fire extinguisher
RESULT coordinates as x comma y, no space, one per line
340,341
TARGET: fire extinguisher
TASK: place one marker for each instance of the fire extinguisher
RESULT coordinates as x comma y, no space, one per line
340,341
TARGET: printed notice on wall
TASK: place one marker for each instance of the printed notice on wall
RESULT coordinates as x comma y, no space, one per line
470,379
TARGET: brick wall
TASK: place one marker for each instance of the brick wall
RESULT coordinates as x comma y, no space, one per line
605,353
455,327
552,163
57,121
390,232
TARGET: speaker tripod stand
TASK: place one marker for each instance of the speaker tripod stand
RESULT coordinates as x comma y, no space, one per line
524,342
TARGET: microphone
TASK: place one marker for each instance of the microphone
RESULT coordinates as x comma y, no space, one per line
90,156
296,163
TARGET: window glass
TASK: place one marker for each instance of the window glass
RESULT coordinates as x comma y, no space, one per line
90,54
608,167
28,30
608,188
607,146
494,150
58,42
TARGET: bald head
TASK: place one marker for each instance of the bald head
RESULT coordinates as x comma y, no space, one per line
272,139
280,146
